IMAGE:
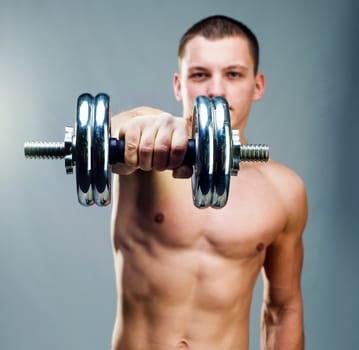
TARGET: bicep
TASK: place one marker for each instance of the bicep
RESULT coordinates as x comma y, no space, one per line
284,257
282,269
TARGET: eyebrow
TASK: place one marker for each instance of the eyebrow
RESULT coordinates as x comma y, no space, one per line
237,66
197,68
234,66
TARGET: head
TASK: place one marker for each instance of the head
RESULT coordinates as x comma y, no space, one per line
219,56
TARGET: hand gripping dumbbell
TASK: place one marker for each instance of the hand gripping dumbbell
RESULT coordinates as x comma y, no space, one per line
214,151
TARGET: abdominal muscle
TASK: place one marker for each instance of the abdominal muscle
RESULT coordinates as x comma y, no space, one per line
180,293
170,303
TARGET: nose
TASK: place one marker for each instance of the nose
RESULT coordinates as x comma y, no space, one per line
216,87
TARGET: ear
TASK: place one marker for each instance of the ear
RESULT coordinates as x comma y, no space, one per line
260,86
177,87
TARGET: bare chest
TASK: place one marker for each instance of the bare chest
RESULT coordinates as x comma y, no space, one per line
243,228
235,231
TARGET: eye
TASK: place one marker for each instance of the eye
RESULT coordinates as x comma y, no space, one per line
198,76
233,75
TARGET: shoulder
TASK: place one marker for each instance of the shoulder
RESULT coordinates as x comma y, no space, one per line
291,191
284,179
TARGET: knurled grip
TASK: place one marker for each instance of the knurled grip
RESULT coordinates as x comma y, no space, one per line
44,150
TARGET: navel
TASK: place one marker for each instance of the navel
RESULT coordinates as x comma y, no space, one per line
183,345
260,247
159,218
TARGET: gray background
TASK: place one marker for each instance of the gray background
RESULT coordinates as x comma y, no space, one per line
57,288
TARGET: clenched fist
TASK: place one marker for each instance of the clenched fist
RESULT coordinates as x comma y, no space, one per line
154,140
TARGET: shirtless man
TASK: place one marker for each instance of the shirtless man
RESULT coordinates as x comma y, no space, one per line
185,276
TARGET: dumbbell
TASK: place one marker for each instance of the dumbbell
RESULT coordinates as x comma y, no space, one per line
214,151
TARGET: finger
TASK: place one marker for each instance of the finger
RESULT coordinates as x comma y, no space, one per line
162,148
178,147
145,152
132,138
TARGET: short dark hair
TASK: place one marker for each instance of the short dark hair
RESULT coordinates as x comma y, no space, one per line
219,27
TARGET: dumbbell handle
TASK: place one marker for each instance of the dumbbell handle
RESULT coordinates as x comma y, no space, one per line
117,152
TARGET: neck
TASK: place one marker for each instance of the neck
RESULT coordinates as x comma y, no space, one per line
242,137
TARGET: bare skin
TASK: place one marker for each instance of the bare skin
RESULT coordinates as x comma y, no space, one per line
185,276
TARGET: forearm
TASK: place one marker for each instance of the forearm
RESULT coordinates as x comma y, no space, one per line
282,328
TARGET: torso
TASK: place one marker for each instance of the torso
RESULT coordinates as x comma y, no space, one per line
185,275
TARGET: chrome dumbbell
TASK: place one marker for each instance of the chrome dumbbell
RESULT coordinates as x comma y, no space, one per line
214,151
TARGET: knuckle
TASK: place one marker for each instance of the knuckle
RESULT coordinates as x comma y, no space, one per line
166,119
178,149
145,150
131,158
131,146
162,149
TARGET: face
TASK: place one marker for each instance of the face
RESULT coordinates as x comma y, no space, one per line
221,67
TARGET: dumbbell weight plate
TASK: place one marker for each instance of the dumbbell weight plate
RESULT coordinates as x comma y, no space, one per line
101,172
83,134
203,171
223,137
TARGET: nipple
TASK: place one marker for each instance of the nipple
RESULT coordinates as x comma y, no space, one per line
159,218
260,247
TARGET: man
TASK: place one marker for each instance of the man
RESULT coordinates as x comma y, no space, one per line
185,276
